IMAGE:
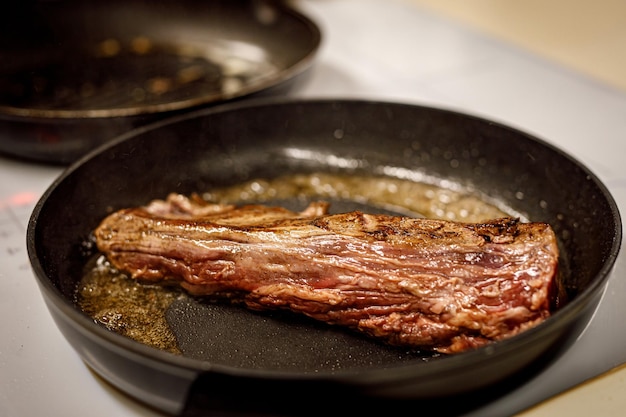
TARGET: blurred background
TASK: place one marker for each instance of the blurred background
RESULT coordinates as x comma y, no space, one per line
588,36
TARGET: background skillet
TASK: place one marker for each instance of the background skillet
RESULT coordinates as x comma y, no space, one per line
76,73
235,143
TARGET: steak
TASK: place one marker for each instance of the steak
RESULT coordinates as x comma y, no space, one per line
427,284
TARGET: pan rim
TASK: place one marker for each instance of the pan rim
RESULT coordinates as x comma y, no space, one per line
372,376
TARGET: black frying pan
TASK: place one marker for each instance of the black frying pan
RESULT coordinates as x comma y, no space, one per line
304,367
75,73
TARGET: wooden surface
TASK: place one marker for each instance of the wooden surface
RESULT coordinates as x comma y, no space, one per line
601,396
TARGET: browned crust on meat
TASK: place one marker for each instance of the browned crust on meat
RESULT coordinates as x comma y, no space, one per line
423,283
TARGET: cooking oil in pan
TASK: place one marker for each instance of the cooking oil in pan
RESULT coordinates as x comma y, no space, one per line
139,311
394,195
126,306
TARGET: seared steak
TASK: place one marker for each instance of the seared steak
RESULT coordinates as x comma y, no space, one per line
428,284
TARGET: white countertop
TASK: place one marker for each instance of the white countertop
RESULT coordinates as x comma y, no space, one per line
391,50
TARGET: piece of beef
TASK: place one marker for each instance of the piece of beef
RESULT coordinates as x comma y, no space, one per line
429,284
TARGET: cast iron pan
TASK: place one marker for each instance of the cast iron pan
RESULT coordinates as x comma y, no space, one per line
75,73
239,362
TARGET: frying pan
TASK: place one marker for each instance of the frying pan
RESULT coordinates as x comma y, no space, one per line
281,365
76,73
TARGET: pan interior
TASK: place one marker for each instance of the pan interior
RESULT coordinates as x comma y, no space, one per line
83,59
216,332
117,74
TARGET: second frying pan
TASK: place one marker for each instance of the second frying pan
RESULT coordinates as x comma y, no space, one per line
75,73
